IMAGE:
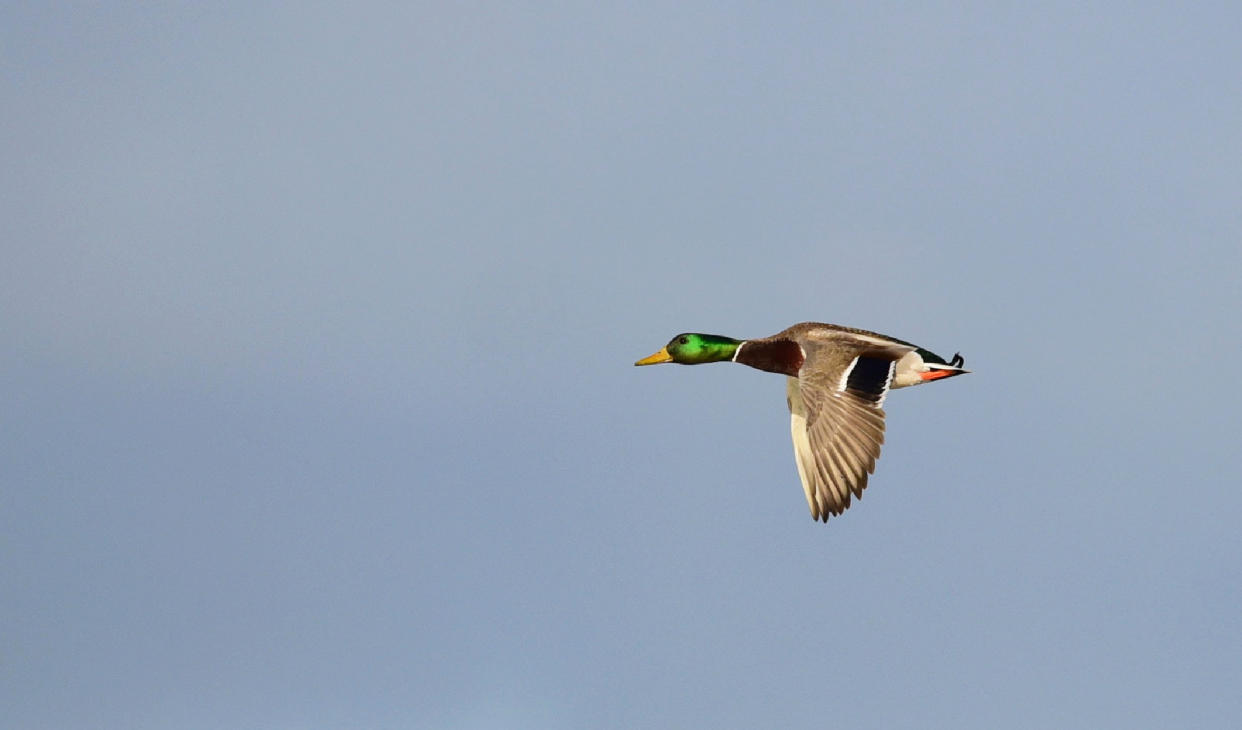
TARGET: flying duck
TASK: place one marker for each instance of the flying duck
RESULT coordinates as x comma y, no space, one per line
837,380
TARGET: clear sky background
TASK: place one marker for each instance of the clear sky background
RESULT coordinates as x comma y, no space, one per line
318,401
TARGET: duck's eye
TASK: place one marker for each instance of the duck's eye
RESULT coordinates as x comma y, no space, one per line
683,340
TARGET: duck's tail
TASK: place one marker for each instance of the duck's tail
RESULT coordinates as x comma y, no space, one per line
938,371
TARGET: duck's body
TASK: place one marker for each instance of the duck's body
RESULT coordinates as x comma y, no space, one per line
838,378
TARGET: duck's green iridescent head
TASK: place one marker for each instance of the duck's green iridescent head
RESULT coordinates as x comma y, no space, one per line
692,348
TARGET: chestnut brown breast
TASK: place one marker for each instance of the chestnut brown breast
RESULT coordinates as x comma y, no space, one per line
777,355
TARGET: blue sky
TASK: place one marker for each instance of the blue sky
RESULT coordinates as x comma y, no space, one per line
318,400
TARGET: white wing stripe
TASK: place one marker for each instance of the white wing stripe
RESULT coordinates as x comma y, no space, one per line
845,376
888,382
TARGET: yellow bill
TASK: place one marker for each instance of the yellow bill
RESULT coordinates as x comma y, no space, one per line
659,357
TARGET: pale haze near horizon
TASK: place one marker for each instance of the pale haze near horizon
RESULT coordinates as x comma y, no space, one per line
319,405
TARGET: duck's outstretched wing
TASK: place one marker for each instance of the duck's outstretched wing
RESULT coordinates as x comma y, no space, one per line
837,419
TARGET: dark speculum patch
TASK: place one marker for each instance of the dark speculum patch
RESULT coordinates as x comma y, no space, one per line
869,378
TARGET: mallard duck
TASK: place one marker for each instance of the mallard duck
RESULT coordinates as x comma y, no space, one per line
838,378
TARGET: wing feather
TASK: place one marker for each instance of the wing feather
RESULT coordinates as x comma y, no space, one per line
837,431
